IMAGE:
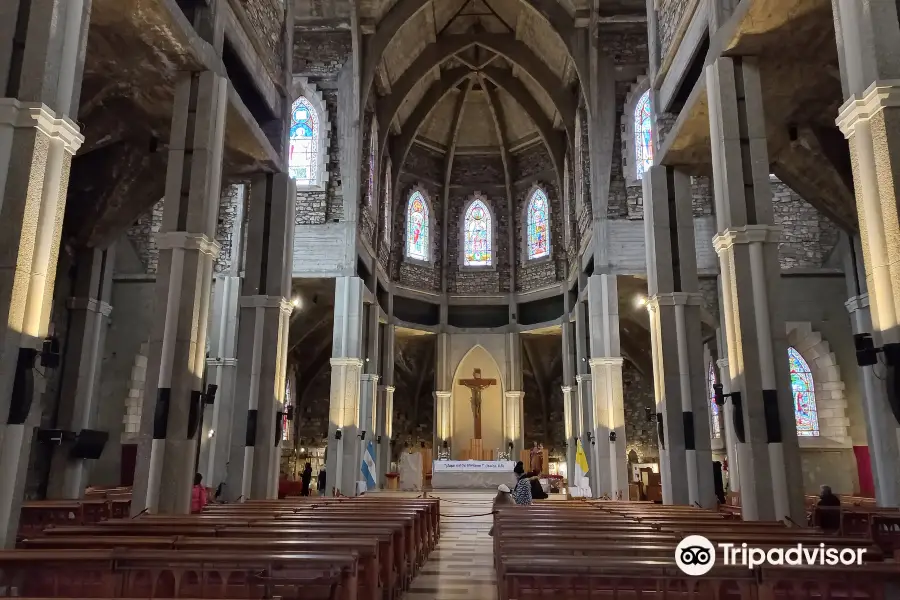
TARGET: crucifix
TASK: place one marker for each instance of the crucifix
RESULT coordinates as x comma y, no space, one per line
476,384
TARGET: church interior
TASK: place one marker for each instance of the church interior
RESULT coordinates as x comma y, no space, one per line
301,292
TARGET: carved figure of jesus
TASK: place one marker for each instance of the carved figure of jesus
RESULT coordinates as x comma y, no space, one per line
476,384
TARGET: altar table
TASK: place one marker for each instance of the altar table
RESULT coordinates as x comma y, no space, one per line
472,474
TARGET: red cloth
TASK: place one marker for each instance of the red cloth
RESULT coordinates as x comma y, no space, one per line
198,498
864,468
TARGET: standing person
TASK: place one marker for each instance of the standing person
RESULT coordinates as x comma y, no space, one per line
305,480
198,494
522,492
321,482
503,498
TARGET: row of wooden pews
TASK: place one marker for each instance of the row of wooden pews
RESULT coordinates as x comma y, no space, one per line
624,550
306,548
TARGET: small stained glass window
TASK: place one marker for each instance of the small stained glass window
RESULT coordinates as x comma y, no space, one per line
643,144
538,225
477,235
303,161
804,393
715,421
417,227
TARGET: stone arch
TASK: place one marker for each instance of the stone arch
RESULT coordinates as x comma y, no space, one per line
301,86
432,237
629,164
523,226
831,401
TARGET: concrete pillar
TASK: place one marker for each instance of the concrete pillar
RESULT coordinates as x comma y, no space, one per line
585,403
443,421
570,407
368,413
167,442
42,52
677,344
731,441
344,458
607,414
386,432
514,397
89,309
747,245
868,34
221,364
262,333
570,421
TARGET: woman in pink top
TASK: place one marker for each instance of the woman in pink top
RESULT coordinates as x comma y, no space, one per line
198,494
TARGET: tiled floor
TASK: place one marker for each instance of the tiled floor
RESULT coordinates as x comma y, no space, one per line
462,566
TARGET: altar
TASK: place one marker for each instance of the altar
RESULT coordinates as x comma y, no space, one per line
472,474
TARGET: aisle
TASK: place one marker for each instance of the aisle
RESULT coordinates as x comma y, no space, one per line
462,566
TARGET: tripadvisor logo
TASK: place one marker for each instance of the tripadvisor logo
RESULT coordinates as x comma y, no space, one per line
695,555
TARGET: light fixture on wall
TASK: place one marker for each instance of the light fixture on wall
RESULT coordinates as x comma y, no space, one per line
612,437
211,433
640,301
338,434
362,434
296,302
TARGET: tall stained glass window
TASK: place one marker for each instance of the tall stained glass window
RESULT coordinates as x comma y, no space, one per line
477,235
643,145
716,423
538,225
373,142
387,204
303,162
804,393
417,227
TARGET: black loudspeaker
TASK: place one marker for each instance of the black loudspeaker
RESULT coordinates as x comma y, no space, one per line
89,444
718,482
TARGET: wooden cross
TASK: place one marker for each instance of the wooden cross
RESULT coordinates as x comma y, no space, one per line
476,384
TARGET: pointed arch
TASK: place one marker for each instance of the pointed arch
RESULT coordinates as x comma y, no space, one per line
715,420
477,234
643,138
537,225
309,137
418,227
803,390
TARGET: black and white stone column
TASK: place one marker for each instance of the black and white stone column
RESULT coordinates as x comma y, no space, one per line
747,245
677,344
89,310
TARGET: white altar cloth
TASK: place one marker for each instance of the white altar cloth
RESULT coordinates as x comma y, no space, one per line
472,474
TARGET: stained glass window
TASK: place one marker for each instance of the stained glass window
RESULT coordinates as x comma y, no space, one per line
713,407
303,162
538,225
477,238
373,142
387,204
417,227
804,393
643,146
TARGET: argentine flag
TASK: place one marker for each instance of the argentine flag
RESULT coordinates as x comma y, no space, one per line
368,466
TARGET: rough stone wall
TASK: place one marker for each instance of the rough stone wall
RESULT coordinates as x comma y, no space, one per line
621,195
583,200
554,438
229,210
422,169
368,207
808,237
143,236
267,20
709,291
670,14
532,167
701,198
640,435
311,427
664,124
571,239
413,399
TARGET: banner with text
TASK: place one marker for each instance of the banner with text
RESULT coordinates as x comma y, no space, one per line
473,465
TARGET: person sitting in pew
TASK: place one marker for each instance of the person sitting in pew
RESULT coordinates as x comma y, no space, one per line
537,491
503,498
828,511
522,492
198,494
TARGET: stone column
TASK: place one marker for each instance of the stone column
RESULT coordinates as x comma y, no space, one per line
868,34
731,441
747,245
346,368
221,364
167,446
570,420
585,403
570,407
514,422
386,423
608,407
443,421
41,73
677,344
89,309
262,334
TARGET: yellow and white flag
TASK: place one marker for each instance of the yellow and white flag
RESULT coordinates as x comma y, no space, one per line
581,467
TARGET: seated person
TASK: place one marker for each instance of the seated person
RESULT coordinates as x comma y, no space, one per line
828,510
537,491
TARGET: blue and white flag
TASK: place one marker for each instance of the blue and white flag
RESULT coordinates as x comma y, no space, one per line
368,468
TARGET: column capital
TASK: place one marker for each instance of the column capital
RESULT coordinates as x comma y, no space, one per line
389,389
221,362
580,378
266,302
369,377
747,234
673,299
35,114
91,305
606,361
856,303
170,240
567,389
514,394
346,361
722,363
878,96
442,394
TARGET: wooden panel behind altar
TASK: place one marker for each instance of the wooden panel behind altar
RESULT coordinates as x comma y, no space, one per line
525,457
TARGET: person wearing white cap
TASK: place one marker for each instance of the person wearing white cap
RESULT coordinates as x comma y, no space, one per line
504,498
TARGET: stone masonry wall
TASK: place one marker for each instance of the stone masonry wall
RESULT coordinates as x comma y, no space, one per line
422,169
267,19
229,210
368,205
808,237
670,15
640,435
532,167
143,236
